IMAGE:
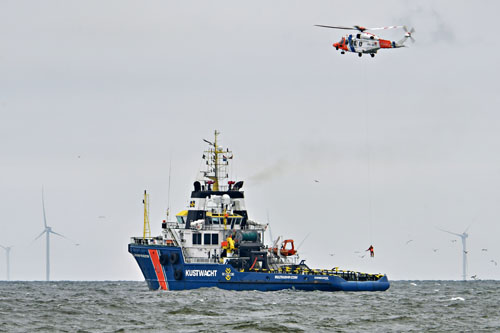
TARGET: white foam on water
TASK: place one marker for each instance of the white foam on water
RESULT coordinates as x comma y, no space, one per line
413,284
457,299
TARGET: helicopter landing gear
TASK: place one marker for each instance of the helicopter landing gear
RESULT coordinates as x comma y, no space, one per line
373,55
337,48
342,52
360,54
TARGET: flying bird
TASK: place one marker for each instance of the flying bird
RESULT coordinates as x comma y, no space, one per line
316,181
484,250
435,250
493,261
411,240
332,254
453,240
474,277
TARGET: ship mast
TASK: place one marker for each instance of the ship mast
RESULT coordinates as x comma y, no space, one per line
147,228
216,166
217,160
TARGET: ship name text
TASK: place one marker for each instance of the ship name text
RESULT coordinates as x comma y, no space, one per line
201,272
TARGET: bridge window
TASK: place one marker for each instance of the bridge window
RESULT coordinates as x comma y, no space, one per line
196,239
206,239
215,239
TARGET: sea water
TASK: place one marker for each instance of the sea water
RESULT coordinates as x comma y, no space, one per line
417,306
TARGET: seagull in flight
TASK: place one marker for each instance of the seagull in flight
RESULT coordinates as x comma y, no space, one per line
453,240
484,250
316,181
411,240
435,250
493,261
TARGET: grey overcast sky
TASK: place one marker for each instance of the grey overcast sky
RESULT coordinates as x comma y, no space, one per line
96,99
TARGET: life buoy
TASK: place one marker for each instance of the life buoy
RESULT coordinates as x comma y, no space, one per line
178,274
174,258
164,259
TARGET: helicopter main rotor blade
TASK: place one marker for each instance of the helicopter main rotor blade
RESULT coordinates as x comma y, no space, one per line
333,27
387,28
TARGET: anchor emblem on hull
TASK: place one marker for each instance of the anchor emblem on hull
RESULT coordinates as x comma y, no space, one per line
228,274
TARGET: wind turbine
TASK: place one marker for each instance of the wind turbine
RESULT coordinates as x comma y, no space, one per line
7,253
463,236
47,231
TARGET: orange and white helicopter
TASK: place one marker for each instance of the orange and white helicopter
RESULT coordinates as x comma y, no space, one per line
365,42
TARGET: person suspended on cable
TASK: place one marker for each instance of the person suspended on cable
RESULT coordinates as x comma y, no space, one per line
372,253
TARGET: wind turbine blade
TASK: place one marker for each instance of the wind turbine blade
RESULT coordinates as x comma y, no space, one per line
58,234
467,228
39,236
453,233
3,247
43,206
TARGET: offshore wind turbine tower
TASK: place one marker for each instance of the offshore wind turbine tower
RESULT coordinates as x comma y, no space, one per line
7,253
47,231
463,236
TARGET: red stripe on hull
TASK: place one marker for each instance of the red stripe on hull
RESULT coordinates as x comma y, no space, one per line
159,271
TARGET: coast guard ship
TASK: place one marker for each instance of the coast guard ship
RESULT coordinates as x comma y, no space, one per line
214,243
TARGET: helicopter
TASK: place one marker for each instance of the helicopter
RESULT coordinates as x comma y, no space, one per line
366,42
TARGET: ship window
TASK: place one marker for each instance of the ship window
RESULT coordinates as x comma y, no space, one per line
180,219
196,239
238,220
215,220
215,239
206,239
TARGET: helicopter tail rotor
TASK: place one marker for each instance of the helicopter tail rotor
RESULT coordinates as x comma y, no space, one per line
408,33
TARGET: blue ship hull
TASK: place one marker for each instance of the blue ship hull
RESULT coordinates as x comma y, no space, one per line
164,268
